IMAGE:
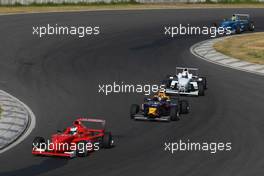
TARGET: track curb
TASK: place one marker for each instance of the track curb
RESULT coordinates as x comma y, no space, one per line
16,123
206,51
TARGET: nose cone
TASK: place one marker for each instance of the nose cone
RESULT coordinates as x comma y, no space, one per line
59,142
61,138
226,24
152,111
183,81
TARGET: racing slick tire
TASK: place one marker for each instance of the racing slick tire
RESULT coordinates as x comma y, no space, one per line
204,81
166,83
238,30
251,26
84,152
38,141
174,113
107,140
134,109
200,89
184,107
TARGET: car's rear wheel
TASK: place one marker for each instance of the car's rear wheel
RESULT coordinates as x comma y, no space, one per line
134,109
200,89
184,107
204,81
38,141
251,26
174,113
238,30
81,150
107,140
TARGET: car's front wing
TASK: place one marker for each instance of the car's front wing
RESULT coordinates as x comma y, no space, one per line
171,91
51,153
142,117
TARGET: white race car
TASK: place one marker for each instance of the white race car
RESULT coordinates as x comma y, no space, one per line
185,82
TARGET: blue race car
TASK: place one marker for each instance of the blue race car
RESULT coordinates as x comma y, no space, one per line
238,23
160,108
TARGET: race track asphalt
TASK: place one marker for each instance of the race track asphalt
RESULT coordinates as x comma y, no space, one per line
58,77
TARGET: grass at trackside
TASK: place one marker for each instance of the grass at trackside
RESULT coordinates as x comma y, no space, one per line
50,7
248,47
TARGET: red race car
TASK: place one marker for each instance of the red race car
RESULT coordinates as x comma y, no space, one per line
86,135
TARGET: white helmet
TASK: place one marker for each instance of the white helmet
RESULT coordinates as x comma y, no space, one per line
73,130
184,74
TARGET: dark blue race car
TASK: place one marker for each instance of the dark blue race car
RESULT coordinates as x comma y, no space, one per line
160,108
238,23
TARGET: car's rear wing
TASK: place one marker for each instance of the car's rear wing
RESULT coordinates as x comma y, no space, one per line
244,16
240,14
102,122
194,71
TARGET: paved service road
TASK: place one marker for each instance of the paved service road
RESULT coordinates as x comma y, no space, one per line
58,77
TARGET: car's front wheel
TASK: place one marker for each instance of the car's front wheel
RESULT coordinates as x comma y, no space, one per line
238,30
174,113
108,140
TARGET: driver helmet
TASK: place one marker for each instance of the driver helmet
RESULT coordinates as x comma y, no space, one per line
77,123
73,130
233,17
162,95
185,73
